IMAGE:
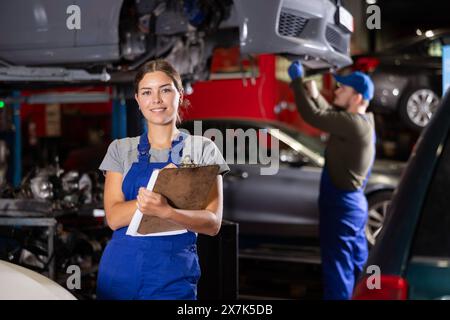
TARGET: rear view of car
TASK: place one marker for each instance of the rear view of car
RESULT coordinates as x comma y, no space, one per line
411,259
408,77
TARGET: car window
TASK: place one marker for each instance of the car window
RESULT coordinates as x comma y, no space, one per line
315,144
265,143
267,140
312,146
231,134
432,236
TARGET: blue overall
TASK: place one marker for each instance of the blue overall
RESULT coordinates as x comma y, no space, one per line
149,267
343,244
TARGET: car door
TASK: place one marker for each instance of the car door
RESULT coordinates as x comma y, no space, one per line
281,204
428,270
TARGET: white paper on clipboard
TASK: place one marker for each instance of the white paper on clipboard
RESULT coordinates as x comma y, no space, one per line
137,217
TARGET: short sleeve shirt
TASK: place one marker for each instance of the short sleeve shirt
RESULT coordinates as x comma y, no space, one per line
122,153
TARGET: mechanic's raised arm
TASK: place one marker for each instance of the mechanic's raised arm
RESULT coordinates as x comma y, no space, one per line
313,93
318,112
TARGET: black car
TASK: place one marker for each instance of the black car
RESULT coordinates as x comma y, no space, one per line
284,205
412,254
408,77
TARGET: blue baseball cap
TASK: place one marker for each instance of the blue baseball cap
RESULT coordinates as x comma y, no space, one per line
359,81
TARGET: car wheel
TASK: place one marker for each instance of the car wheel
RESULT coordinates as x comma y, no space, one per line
378,206
417,107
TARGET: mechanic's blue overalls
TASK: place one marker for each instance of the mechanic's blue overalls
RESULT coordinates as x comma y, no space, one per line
149,267
343,244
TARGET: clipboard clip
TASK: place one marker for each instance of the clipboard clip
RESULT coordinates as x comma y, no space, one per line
187,162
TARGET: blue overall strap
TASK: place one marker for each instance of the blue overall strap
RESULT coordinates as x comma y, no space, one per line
177,147
143,148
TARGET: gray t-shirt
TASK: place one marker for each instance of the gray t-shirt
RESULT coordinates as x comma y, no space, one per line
122,153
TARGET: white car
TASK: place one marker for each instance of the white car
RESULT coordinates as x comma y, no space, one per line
19,283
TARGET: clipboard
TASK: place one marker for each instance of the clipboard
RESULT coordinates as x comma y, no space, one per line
185,188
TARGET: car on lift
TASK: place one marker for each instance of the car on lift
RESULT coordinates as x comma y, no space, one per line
284,205
98,40
411,259
408,77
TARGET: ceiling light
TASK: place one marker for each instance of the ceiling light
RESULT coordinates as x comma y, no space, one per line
429,34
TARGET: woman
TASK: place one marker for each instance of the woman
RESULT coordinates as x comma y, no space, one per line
164,265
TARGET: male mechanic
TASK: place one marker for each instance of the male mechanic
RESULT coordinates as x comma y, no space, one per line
349,157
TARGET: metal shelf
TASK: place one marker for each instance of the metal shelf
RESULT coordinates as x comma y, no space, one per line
49,223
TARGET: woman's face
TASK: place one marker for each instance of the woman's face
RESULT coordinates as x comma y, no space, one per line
158,98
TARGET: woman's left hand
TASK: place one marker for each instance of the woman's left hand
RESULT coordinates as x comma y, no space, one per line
153,204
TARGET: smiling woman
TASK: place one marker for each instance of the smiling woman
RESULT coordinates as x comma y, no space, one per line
160,265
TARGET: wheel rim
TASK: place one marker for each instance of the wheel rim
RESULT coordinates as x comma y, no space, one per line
377,214
421,106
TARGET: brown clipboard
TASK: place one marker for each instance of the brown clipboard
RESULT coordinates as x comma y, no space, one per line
184,188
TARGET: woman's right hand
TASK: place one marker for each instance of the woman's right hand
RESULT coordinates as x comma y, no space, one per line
153,204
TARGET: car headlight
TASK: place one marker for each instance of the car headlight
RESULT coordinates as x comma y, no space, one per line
41,188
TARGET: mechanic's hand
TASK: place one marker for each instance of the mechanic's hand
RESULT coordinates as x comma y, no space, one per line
295,70
153,204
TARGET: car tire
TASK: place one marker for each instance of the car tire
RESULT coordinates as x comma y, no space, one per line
378,204
417,106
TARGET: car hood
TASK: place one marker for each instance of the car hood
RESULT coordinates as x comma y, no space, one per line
18,283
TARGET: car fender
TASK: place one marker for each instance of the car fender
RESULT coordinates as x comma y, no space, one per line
370,190
19,283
